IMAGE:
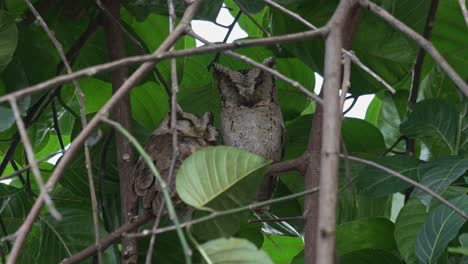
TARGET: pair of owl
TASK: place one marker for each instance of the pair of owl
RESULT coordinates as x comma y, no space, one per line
251,120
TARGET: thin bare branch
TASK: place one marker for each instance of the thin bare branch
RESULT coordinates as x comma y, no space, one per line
93,124
217,214
25,168
361,65
273,72
351,54
108,240
464,10
410,181
81,99
421,41
247,13
33,163
345,83
162,55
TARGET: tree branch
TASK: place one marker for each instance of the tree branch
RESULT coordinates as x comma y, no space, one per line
423,43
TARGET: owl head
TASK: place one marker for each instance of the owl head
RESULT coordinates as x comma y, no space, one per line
245,87
191,125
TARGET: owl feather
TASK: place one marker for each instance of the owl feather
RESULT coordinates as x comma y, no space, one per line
251,117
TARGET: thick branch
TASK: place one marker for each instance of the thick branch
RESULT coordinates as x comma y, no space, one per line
122,114
326,236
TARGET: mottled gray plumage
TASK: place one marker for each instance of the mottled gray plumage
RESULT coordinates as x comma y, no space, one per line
194,132
251,117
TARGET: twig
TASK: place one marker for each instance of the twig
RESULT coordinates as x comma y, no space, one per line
361,65
217,214
114,236
417,70
165,189
345,83
298,164
422,42
247,13
64,104
353,103
410,181
25,168
32,161
57,127
107,240
26,183
228,33
274,72
81,100
291,14
281,219
175,149
463,9
162,55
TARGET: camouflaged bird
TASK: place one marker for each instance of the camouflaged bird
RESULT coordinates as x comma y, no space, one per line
251,117
194,132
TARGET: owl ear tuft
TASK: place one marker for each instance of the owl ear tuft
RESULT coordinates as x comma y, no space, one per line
220,70
270,62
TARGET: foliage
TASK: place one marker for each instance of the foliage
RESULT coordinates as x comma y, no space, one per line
225,178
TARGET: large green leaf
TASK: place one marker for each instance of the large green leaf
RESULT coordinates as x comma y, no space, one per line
386,112
433,118
375,182
354,130
209,172
150,104
438,175
370,256
439,229
244,21
7,118
9,37
407,226
282,249
61,239
366,233
235,251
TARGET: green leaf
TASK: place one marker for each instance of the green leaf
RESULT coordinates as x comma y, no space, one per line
7,119
207,173
143,8
61,239
385,112
438,175
439,229
407,226
362,137
433,118
282,249
235,251
150,104
370,256
253,6
9,37
375,182
366,233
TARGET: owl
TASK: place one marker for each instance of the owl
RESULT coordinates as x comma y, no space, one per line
194,132
251,117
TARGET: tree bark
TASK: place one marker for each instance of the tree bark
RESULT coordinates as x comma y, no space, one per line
122,114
